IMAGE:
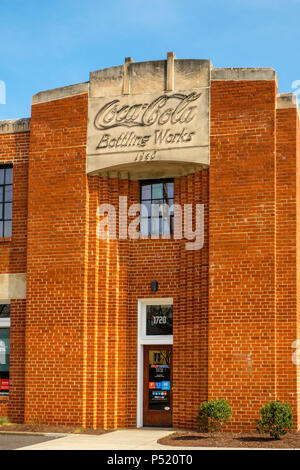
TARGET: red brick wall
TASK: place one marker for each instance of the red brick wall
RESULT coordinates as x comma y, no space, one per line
14,148
235,308
56,283
17,361
242,247
4,406
120,273
286,255
107,317
298,262
81,336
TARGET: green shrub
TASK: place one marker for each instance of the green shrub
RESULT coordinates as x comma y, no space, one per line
4,420
213,415
276,419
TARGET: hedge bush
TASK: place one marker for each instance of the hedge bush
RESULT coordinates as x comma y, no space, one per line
213,415
276,419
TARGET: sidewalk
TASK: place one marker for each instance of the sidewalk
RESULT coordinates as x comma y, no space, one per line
125,439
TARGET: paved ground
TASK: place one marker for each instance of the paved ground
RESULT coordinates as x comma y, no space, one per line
127,439
13,441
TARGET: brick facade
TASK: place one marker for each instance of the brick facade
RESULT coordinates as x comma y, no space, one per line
236,301
120,273
287,290
14,148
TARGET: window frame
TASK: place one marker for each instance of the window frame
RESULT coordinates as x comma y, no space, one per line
142,321
143,339
3,219
152,201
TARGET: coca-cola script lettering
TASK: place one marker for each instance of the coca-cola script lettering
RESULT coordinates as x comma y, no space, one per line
145,128
166,109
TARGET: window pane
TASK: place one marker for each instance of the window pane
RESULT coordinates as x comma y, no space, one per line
146,209
8,176
2,176
154,226
7,211
157,196
1,211
7,228
166,226
146,191
1,193
8,193
170,190
1,228
159,396
157,191
144,227
4,310
156,208
164,210
160,226
171,204
159,320
4,349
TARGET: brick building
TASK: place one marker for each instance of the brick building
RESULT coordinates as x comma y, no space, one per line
124,331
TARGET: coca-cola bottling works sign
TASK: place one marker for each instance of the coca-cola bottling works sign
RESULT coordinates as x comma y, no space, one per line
138,128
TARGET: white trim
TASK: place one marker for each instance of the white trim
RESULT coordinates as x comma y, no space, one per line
143,340
60,93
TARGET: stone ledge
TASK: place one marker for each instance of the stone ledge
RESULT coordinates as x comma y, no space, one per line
60,93
12,126
13,286
237,74
148,77
286,101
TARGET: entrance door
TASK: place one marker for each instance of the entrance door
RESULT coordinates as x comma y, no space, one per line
158,385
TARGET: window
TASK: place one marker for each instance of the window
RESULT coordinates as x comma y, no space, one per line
157,214
4,348
5,200
159,320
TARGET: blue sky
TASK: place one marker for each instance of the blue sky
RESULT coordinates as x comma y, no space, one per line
48,44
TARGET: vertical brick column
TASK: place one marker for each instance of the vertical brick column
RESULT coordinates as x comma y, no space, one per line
120,273
56,330
191,312
298,266
17,361
287,233
107,313
242,315
14,149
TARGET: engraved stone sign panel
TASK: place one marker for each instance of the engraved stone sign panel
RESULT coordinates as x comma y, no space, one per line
169,126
